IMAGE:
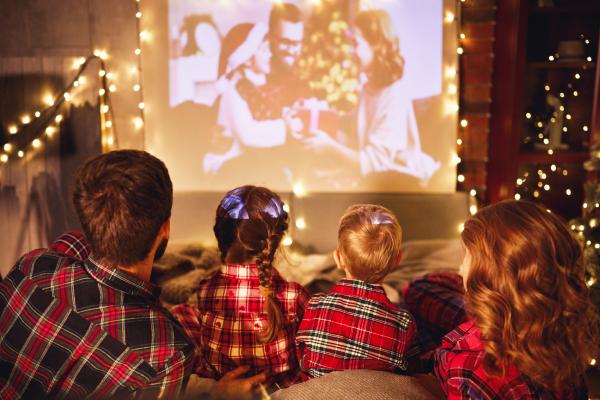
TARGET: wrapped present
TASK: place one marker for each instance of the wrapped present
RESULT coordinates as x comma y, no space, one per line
316,114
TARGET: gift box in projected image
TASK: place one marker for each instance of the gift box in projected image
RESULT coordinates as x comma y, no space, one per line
317,115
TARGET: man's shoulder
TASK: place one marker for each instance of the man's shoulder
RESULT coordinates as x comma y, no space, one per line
46,262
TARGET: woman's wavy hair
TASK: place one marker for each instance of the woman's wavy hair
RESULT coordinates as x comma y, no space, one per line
388,64
526,292
249,225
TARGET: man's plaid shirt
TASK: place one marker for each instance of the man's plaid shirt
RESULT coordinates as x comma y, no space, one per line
354,326
90,328
228,317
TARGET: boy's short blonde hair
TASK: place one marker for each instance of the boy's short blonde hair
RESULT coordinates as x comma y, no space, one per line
369,240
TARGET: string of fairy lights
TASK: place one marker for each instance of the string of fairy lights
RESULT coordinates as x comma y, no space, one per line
537,183
46,123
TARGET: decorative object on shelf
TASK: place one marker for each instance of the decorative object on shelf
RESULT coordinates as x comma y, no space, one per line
570,49
553,128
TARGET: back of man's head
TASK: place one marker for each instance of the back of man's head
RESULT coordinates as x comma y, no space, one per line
122,199
284,12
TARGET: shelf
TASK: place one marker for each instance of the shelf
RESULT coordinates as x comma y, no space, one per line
574,9
559,156
568,64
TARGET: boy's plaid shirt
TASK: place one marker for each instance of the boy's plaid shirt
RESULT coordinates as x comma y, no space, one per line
229,314
354,326
459,369
113,303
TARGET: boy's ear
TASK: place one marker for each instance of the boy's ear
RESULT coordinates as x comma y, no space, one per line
399,258
339,259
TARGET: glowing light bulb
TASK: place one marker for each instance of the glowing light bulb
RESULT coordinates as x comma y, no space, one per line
449,17
138,122
101,92
551,58
37,114
137,51
473,192
112,88
547,88
461,227
67,96
575,93
4,158
58,118
136,87
585,128
300,223
577,76
25,119
464,123
568,192
104,109
460,50
287,241
8,147
528,115
110,141
141,105
473,209
459,141
452,89
37,143
138,14
13,129
460,178
50,131
299,189
517,196
20,154
48,100
109,124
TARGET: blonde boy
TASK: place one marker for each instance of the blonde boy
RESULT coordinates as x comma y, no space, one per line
355,326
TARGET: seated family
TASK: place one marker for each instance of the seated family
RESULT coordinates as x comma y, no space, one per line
261,94
81,318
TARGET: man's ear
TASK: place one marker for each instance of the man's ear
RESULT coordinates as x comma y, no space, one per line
339,259
165,229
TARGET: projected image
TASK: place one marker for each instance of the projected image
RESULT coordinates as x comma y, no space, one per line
324,94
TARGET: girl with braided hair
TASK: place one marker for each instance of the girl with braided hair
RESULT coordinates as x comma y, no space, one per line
247,314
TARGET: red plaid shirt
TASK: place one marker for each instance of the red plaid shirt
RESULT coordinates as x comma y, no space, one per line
459,368
230,314
118,306
354,326
437,303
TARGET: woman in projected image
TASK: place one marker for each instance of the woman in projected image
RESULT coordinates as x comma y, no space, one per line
388,137
244,119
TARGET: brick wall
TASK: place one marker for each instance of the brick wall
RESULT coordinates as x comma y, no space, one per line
477,25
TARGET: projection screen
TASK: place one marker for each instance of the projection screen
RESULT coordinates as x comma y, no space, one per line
330,96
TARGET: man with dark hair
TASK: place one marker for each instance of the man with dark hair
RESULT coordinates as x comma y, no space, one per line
81,324
286,32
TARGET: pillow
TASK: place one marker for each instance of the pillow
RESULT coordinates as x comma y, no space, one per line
364,385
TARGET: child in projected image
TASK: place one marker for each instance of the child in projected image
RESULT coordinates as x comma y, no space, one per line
531,329
244,115
247,314
355,326
388,138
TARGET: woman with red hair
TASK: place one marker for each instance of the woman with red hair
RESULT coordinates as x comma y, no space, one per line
530,329
388,136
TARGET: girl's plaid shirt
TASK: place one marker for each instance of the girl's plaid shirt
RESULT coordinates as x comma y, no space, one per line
229,315
354,326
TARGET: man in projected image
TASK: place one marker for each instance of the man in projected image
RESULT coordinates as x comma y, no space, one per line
286,32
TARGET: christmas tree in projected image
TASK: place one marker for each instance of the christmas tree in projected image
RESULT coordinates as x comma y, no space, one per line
587,228
328,61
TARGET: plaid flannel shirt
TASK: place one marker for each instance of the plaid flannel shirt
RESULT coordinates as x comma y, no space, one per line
459,369
116,305
354,326
228,317
437,303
